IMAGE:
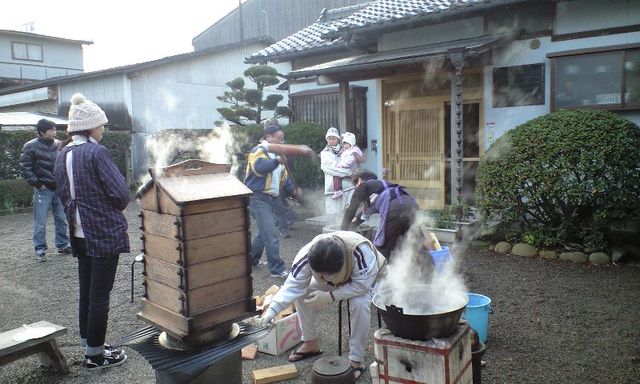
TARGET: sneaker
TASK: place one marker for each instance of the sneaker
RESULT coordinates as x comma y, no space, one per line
283,274
64,251
96,363
110,350
41,256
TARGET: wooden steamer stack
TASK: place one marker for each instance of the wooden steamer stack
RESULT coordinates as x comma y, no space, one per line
196,246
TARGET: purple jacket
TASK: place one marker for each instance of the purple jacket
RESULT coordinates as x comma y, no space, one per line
101,194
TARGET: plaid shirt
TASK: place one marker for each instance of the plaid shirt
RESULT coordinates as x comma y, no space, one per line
101,194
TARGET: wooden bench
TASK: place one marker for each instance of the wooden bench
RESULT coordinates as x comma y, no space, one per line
45,346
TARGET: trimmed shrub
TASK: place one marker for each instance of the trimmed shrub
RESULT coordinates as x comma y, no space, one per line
11,142
565,177
306,172
14,193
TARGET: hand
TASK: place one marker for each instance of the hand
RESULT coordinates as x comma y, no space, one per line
267,317
297,193
318,300
308,151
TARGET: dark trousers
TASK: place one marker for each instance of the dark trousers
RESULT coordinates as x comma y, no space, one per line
399,221
96,276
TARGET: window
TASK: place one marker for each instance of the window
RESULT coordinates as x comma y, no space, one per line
26,51
519,85
607,80
321,107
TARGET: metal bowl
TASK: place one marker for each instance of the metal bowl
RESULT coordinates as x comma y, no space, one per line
419,320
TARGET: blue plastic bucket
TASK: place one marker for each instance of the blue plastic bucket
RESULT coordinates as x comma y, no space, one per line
477,314
440,258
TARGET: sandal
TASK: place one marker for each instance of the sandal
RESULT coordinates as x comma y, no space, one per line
357,372
297,356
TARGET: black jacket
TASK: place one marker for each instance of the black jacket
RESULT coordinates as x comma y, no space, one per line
36,162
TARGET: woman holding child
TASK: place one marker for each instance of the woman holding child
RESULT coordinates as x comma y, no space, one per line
338,186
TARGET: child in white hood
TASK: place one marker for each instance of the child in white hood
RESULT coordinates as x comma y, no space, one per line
350,158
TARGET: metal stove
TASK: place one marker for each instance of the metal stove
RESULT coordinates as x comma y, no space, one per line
218,362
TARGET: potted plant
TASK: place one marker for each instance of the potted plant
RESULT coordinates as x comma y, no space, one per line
446,222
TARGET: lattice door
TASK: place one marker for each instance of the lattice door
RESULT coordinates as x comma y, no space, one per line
414,151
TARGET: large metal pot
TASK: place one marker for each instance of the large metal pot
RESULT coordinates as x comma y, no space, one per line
420,312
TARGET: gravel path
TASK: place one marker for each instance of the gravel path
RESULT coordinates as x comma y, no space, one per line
554,322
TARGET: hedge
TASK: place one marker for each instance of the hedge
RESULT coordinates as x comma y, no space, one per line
306,172
15,192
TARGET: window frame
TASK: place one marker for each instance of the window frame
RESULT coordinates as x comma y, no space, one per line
623,49
542,99
27,46
305,100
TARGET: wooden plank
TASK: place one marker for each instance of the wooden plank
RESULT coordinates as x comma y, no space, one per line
201,299
273,374
198,250
195,276
9,346
214,223
180,326
51,356
160,224
164,319
195,226
249,352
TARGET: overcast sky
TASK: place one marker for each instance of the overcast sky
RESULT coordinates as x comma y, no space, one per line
123,31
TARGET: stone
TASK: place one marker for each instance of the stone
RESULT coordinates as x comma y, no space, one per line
599,258
548,254
522,249
617,253
574,257
503,247
492,247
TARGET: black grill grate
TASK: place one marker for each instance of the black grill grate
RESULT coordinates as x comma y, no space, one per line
145,341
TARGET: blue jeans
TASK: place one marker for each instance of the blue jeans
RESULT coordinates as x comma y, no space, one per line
263,211
43,201
95,277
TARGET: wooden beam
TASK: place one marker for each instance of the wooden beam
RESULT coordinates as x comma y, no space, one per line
343,119
273,374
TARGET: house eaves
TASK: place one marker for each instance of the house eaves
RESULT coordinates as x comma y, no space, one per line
471,47
128,69
391,14
44,37
308,40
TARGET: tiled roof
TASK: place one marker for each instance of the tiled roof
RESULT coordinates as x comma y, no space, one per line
386,12
472,46
309,38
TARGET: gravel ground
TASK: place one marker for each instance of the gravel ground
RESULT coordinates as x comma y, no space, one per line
553,322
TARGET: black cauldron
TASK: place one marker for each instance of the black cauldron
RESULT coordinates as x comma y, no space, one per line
421,312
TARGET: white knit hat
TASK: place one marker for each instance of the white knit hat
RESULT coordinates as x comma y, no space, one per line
84,114
350,138
332,132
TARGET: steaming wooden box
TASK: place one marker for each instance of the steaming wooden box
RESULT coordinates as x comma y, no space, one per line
434,361
196,244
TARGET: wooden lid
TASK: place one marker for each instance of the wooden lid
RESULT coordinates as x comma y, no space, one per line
196,180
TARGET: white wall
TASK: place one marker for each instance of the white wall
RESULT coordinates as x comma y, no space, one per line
182,95
58,59
500,120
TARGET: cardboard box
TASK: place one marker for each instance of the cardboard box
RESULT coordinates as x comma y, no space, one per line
285,335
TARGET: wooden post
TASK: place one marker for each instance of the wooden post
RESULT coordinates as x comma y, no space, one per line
457,134
343,102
